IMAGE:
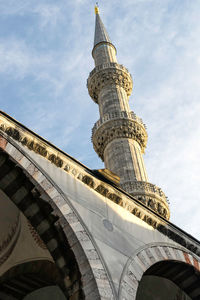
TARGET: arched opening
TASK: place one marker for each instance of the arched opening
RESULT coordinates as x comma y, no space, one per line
46,293
169,280
22,199
29,279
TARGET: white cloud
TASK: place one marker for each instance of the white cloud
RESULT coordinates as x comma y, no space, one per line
17,60
49,14
11,7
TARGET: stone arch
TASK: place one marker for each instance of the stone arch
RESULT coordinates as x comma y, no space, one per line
146,258
24,278
56,221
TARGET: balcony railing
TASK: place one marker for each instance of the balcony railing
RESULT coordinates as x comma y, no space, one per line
117,115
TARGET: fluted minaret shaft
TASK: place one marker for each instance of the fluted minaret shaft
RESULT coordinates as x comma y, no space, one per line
119,136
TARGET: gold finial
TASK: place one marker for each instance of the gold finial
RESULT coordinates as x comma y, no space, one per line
96,9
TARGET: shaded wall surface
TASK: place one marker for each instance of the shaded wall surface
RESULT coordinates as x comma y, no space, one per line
52,292
157,288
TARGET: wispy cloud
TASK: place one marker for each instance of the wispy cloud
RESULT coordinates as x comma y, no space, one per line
49,14
18,60
11,7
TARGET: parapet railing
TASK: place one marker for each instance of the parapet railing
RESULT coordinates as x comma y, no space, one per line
109,65
118,115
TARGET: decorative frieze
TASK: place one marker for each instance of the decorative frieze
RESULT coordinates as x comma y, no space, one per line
39,147
118,128
88,180
108,74
31,144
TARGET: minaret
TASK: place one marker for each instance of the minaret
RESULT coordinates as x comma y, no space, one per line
119,137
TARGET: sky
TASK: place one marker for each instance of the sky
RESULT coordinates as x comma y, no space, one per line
45,60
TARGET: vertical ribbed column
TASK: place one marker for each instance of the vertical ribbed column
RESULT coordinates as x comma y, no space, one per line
124,156
112,99
104,53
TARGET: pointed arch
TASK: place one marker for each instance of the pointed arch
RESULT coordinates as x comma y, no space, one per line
24,278
148,258
56,222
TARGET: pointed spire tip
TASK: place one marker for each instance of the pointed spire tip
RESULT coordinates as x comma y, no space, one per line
96,9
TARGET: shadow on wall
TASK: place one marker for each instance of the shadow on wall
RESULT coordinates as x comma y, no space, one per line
157,288
50,292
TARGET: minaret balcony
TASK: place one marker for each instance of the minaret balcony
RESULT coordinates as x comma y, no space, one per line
118,125
118,115
107,74
150,195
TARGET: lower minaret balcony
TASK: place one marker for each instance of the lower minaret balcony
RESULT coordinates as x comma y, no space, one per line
150,195
115,126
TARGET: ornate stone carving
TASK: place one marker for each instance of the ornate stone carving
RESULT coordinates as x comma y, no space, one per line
115,198
31,144
150,195
102,190
37,148
105,192
107,74
118,115
148,187
56,160
13,132
118,128
88,180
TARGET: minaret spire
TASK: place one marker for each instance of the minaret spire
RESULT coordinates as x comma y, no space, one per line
96,8
101,34
102,43
119,137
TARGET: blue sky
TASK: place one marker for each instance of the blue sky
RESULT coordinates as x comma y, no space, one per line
45,59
